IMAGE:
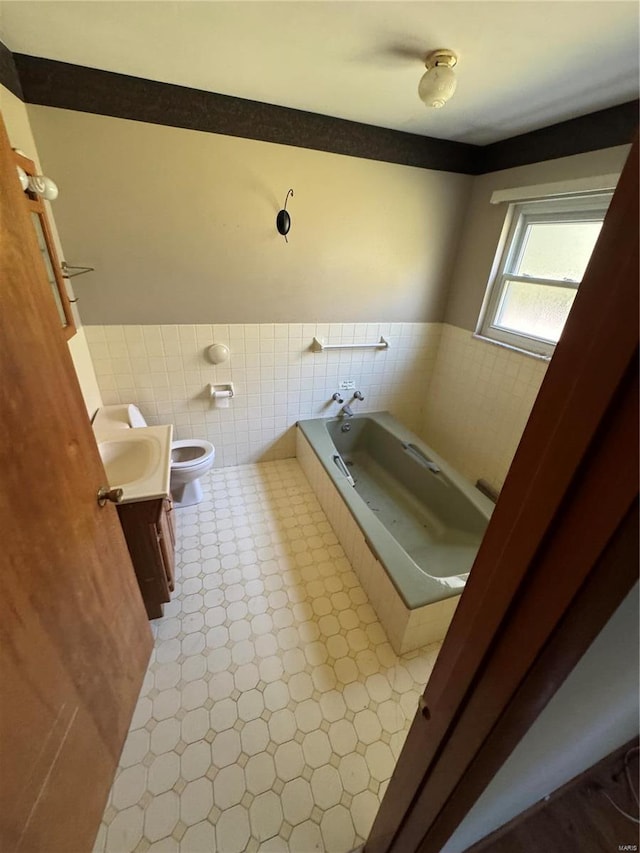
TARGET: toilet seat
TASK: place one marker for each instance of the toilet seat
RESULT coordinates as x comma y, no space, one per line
195,452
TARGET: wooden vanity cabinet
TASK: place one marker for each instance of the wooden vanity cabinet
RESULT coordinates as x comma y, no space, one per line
149,528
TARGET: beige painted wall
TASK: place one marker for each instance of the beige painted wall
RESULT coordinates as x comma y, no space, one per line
484,221
16,120
180,226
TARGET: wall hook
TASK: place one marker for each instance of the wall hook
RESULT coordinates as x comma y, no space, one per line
283,220
72,270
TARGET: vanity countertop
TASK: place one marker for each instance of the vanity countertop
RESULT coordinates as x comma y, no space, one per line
137,460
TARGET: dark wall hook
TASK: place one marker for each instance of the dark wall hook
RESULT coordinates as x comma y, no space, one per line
283,220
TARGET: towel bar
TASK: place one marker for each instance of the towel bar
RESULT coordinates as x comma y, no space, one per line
319,346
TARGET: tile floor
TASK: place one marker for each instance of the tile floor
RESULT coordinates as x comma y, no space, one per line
274,708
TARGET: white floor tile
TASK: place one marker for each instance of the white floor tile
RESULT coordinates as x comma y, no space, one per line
274,708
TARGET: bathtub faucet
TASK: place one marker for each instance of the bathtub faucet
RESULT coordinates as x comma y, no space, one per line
346,411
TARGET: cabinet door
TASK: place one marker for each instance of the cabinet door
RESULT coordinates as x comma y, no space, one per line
165,540
168,508
153,574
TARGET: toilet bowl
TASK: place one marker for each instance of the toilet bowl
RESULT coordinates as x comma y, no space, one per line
190,457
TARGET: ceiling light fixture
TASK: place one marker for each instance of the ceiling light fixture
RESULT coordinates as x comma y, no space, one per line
439,82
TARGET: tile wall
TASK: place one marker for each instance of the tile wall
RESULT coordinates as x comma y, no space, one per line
478,402
467,398
278,379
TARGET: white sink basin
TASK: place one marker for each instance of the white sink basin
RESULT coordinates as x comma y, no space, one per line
137,460
128,460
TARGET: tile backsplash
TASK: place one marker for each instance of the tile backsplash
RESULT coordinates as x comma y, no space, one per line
277,378
478,403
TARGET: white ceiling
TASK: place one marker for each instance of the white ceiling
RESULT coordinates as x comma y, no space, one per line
522,65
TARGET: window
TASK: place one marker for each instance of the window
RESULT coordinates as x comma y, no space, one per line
546,252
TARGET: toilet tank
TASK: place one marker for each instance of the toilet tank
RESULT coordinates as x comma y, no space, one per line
122,416
136,418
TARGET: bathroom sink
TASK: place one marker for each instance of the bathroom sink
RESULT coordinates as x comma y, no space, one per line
137,460
128,460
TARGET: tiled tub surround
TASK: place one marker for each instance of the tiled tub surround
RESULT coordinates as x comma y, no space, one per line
274,707
277,379
478,403
407,629
469,399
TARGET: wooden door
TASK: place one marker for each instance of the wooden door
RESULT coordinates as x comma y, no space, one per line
74,637
558,557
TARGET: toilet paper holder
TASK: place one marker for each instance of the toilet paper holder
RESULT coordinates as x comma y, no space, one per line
224,389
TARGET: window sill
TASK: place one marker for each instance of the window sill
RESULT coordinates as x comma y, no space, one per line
538,356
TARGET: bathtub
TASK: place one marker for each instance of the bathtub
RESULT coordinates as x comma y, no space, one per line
408,522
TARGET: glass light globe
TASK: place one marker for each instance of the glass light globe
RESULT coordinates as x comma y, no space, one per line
437,86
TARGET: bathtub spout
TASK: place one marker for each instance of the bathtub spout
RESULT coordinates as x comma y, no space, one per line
346,411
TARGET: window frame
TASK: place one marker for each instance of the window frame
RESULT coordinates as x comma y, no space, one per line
590,207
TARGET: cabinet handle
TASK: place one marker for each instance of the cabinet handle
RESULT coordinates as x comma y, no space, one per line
165,562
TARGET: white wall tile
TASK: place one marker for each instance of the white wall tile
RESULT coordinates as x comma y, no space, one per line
278,379
469,399
478,403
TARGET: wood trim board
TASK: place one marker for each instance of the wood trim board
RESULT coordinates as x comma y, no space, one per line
568,495
48,82
74,87
9,73
601,129
590,610
576,816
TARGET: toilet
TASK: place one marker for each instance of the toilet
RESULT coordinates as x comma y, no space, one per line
190,457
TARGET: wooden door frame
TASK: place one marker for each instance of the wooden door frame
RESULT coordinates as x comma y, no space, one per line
543,583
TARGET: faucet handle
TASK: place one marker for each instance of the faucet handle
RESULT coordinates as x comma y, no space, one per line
358,395
337,398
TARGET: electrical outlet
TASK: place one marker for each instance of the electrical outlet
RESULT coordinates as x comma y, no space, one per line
347,385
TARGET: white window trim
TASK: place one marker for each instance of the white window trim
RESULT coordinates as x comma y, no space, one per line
577,186
586,207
